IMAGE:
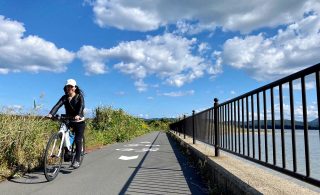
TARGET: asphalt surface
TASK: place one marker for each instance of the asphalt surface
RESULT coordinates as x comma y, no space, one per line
150,164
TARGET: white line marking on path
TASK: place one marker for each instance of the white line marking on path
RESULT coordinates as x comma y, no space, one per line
152,145
147,149
131,145
145,142
128,157
125,149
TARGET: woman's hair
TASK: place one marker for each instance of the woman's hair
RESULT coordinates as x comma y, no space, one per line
78,90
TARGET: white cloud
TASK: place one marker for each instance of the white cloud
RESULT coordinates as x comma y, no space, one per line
232,92
169,57
264,58
289,51
12,109
114,13
195,16
312,112
217,67
28,53
140,85
203,47
18,107
93,60
87,111
297,86
187,27
146,116
178,93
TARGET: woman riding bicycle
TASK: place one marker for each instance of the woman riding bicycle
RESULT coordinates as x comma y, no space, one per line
73,102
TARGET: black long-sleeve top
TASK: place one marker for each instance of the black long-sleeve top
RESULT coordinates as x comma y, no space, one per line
73,107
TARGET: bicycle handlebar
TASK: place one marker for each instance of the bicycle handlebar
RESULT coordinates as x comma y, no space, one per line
61,118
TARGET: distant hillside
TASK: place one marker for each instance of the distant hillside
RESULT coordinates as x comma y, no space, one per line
312,125
287,124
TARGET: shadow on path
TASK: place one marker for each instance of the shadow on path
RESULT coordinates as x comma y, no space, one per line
30,178
165,171
37,177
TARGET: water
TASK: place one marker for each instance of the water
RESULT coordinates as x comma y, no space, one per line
314,149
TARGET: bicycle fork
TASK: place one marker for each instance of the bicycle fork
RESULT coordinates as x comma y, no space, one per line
62,130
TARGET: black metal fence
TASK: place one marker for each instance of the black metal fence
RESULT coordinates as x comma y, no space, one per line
257,127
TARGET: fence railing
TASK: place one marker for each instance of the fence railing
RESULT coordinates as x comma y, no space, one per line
260,127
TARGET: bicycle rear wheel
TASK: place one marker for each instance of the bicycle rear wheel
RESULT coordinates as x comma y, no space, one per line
82,151
52,158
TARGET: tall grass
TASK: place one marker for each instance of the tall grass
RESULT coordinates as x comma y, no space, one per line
23,138
22,142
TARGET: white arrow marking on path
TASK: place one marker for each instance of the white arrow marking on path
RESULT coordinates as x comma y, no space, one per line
128,157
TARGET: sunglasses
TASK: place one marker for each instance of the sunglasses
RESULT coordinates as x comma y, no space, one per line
70,86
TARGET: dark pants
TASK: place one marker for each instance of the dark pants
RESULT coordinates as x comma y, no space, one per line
78,129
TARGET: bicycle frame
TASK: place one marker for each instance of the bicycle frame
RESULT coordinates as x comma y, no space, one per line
64,130
52,168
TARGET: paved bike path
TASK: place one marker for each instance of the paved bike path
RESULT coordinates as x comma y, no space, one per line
150,164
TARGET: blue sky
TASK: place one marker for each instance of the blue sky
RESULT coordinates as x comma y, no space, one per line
156,58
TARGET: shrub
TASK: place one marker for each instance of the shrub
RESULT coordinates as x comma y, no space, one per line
22,142
117,125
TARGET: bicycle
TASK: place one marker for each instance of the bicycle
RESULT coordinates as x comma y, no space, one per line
55,148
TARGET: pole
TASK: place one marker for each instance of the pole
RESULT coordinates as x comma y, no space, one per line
193,128
216,128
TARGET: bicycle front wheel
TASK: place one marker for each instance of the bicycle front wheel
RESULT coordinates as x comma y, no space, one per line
53,157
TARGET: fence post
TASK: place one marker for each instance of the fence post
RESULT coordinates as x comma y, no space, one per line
180,128
193,128
216,128
184,127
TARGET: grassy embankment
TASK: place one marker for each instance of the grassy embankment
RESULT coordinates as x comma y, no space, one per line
23,138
